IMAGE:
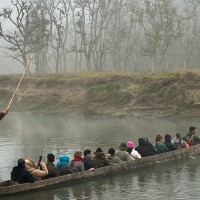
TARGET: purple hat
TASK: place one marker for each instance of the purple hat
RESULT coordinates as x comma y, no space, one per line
130,144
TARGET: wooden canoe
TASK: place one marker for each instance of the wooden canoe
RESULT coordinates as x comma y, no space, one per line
6,187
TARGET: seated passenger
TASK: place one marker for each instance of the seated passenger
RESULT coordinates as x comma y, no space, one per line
20,173
112,158
100,159
76,163
132,151
52,170
63,165
191,137
122,152
179,143
168,143
87,160
145,148
151,147
160,146
38,174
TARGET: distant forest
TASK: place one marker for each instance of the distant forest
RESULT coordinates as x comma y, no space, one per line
103,35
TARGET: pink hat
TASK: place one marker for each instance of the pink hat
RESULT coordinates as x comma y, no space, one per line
130,144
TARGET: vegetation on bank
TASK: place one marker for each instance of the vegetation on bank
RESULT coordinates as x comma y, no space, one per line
111,93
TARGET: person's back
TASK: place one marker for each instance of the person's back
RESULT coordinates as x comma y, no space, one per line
195,138
112,158
169,144
63,165
130,149
160,146
151,148
52,170
145,148
100,159
77,162
191,137
87,160
178,142
20,173
38,174
122,153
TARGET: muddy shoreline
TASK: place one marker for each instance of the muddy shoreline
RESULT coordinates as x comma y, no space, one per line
122,95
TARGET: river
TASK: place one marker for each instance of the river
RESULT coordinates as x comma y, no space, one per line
32,135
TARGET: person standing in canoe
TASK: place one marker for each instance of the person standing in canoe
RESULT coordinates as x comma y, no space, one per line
3,113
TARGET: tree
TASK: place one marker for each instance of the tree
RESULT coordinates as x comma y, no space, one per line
91,19
27,33
162,25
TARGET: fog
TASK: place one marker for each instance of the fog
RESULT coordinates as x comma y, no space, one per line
7,65
120,35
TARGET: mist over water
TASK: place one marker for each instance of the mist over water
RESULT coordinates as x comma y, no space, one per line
32,135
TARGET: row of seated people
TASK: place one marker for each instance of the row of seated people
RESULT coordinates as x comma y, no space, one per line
28,171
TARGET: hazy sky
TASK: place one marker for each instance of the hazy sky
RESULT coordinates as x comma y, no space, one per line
7,65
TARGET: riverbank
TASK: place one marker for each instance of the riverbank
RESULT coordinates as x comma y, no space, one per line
113,94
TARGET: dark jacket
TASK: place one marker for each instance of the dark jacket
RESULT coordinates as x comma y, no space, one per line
52,171
145,148
100,160
88,164
21,175
168,143
1,115
65,169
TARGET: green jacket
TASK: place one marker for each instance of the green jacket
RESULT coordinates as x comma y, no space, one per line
196,139
113,159
189,135
161,147
123,155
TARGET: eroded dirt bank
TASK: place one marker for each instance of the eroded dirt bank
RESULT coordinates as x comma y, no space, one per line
108,94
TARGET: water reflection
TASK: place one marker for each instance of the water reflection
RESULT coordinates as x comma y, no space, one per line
30,135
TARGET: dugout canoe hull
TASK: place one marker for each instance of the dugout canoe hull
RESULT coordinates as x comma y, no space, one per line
5,189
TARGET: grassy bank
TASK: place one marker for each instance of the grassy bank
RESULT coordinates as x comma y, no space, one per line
112,94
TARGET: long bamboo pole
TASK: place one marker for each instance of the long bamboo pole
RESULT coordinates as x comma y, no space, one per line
15,92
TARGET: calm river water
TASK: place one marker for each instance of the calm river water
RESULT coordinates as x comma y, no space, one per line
31,135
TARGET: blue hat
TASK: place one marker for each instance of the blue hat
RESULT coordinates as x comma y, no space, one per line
63,160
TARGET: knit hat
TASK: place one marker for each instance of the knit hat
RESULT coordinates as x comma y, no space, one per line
130,145
63,160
